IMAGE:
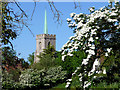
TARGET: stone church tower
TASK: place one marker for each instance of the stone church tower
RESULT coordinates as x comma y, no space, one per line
43,40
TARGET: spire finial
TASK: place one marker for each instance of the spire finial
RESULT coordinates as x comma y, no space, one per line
45,25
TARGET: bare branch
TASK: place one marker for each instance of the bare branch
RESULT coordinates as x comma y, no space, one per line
28,28
77,6
20,8
33,9
56,13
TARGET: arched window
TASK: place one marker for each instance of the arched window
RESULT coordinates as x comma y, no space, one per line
40,45
48,44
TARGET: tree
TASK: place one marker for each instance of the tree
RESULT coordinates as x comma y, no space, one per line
31,58
11,61
98,35
8,32
71,63
8,57
46,58
49,50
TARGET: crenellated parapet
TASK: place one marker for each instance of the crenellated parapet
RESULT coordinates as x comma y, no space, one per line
46,36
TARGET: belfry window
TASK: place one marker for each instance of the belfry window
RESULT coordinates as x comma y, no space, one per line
48,44
40,45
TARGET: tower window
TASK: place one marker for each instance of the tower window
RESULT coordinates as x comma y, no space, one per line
40,45
48,44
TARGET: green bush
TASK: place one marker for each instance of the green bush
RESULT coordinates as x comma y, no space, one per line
54,75
46,61
31,78
70,63
10,79
7,81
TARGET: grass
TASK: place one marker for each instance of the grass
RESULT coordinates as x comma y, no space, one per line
76,83
104,85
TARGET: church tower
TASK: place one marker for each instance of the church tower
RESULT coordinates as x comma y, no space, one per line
43,40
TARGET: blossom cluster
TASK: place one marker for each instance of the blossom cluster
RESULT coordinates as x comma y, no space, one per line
87,35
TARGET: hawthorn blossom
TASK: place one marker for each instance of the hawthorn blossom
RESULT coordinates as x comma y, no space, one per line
91,39
106,54
104,71
67,86
109,49
86,35
69,20
69,79
72,14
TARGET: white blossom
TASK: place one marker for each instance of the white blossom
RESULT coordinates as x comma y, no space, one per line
80,78
86,34
113,14
73,74
72,14
84,62
104,71
86,85
68,83
63,57
92,9
96,37
78,67
106,54
95,65
93,47
69,79
91,39
89,55
109,49
69,20
67,86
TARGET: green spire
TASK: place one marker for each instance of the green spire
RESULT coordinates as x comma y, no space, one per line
45,25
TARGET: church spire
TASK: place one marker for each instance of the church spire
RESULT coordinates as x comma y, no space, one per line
45,25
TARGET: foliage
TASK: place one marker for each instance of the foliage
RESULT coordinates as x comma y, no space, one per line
7,26
10,80
49,50
8,56
31,58
46,62
46,59
15,74
102,85
10,60
71,63
55,75
12,22
7,82
98,35
31,78
42,78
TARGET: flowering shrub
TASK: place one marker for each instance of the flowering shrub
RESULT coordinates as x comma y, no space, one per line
98,35
31,78
54,75
42,78
10,79
7,81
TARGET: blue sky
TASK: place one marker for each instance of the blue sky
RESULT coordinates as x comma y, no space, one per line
25,43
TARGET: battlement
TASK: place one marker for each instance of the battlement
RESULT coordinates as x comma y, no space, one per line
45,36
